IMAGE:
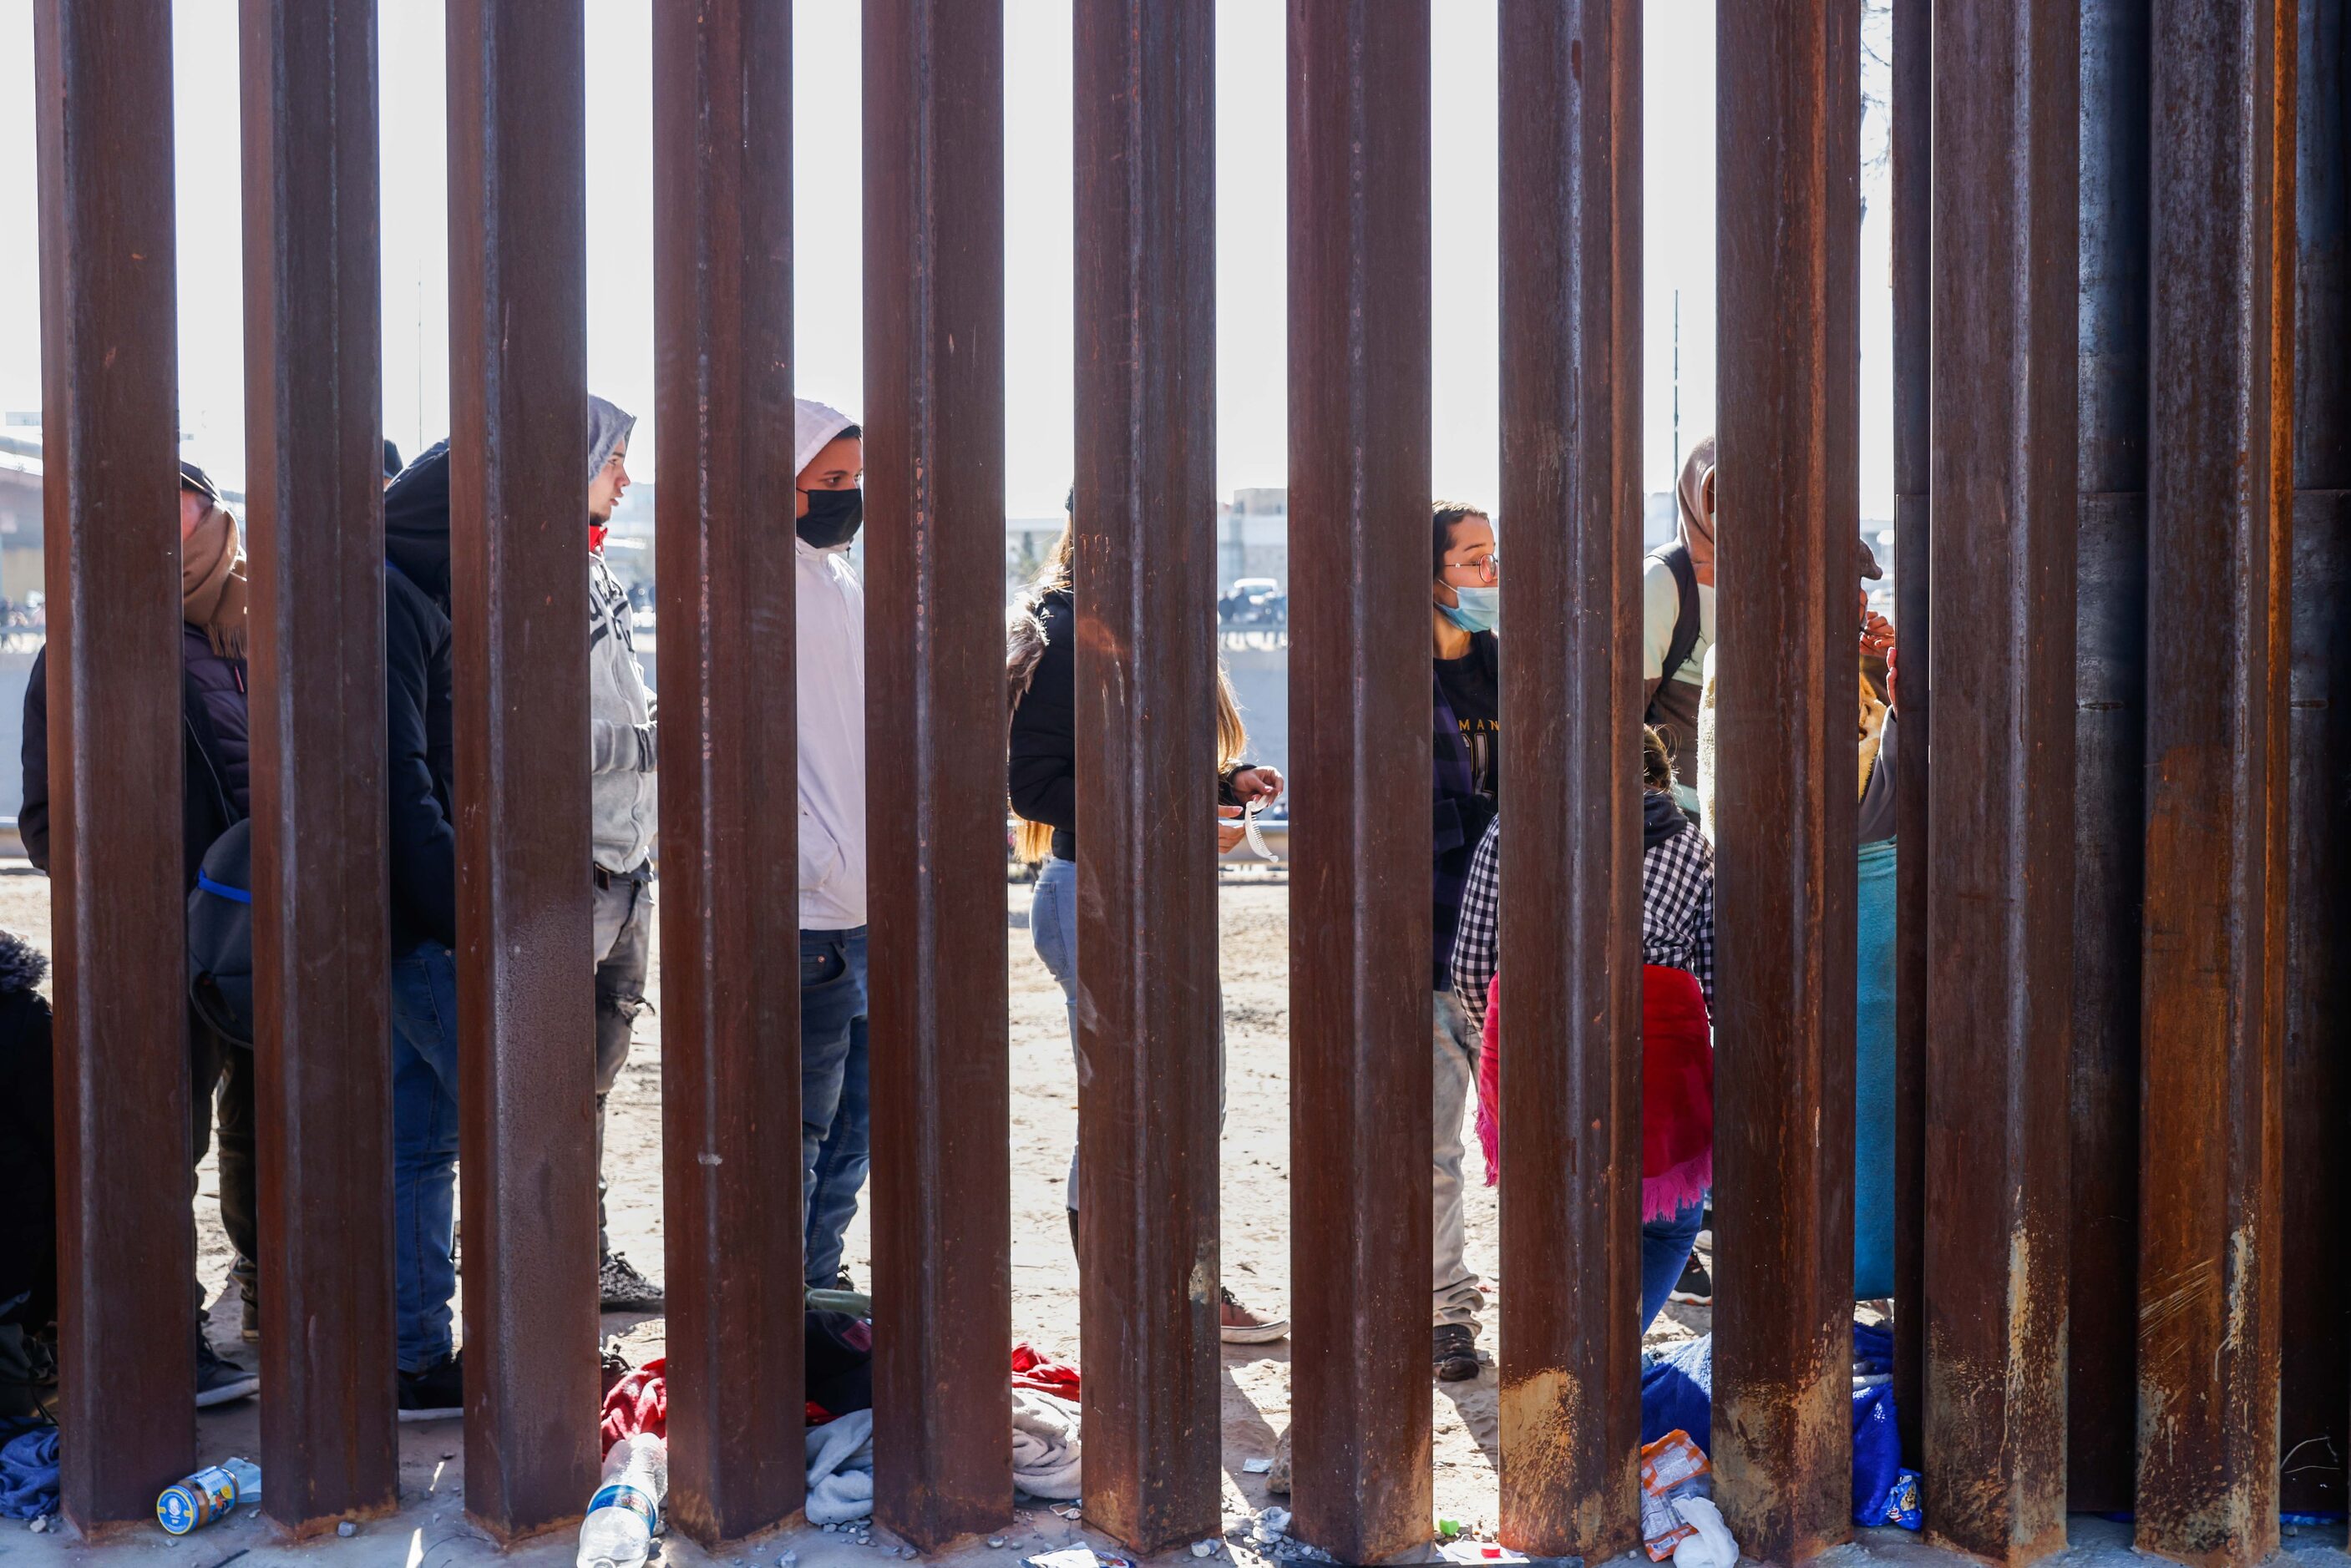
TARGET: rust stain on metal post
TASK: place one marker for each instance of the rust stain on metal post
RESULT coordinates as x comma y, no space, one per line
934,111
110,396
314,533
2316,1333
730,902
518,501
1360,928
1913,236
1571,244
1789,119
2109,738
2000,894
1146,506
2219,529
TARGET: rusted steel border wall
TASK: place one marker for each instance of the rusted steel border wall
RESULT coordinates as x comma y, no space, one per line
2187,402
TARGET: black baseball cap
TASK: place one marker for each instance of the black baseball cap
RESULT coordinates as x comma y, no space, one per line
391,463
196,479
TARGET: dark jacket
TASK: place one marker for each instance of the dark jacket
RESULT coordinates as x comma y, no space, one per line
1042,774
420,750
28,1146
1041,777
1461,814
214,773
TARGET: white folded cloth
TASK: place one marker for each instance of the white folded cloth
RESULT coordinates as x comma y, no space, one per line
841,1469
1045,1450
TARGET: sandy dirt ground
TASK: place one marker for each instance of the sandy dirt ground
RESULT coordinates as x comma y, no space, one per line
1256,1199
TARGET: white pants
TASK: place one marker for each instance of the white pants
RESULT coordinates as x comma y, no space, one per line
1454,1295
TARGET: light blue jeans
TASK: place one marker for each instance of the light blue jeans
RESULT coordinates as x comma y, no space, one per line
1053,931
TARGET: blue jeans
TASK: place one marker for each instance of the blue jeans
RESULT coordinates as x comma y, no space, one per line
423,1150
836,1107
1665,1250
1053,931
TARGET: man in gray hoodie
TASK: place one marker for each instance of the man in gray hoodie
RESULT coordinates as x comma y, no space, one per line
622,734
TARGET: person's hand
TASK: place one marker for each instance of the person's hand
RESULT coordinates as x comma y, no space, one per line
1258,785
1227,837
1876,632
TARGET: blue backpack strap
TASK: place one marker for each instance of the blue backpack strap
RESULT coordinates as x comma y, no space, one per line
222,890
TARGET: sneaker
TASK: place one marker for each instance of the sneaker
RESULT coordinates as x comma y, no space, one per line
436,1394
1453,1351
1236,1324
623,1289
1696,1285
249,1319
219,1379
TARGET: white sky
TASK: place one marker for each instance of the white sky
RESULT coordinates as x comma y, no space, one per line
1252,429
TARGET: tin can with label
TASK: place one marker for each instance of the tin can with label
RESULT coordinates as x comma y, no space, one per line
208,1496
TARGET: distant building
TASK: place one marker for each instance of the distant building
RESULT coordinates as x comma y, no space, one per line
1253,537
20,514
1659,519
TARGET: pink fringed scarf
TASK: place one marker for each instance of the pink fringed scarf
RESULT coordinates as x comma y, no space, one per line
1676,1090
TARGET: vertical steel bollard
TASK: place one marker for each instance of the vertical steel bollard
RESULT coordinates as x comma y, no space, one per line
1571,244
731,1170
314,530
2316,1335
1913,236
1788,482
1999,880
1149,1035
2110,749
1360,676
2219,533
110,394
518,501
933,159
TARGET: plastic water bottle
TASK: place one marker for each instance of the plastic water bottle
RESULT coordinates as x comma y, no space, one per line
626,1509
208,1496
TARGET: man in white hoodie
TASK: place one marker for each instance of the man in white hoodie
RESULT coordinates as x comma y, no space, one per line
836,1116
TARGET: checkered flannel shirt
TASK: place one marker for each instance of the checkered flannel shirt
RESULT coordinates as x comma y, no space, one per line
1676,916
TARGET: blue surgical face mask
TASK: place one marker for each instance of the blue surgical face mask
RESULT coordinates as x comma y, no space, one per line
1481,609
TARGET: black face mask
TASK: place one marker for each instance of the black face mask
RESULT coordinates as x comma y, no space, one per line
832,517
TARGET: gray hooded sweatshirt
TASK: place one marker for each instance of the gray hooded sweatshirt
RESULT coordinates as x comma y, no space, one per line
621,726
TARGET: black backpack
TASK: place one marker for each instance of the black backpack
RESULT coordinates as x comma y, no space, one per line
1677,558
220,935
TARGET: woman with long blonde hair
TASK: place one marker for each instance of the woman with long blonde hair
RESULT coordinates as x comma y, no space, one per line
1041,673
